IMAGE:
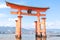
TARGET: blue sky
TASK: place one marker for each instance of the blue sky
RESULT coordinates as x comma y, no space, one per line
52,14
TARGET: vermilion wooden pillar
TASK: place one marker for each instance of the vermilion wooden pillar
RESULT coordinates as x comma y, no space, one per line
35,28
18,27
44,27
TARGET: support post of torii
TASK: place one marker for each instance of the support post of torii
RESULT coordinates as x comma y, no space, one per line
44,27
35,28
18,26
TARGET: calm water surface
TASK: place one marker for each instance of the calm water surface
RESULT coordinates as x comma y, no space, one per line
26,37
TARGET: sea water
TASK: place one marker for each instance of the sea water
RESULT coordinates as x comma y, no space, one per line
27,37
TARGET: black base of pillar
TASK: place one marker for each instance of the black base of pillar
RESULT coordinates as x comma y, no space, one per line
44,36
19,37
40,36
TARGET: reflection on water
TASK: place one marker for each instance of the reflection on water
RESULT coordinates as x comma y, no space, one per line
18,39
43,38
27,37
37,38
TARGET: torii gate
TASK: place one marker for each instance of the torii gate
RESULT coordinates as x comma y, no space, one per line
29,10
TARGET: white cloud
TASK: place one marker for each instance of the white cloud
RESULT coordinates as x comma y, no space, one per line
3,6
12,19
53,25
10,22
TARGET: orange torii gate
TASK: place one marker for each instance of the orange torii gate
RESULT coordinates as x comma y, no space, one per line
29,9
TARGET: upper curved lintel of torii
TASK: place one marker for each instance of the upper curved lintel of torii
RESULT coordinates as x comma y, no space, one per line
22,7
